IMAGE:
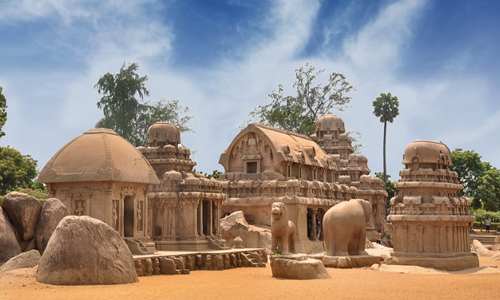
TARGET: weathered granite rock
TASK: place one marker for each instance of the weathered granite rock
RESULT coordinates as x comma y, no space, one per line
480,249
307,268
53,211
84,250
24,260
496,256
8,242
23,211
28,245
238,233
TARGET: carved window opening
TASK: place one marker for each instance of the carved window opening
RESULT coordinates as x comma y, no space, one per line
128,216
252,167
206,217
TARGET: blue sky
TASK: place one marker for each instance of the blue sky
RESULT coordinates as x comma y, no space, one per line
222,58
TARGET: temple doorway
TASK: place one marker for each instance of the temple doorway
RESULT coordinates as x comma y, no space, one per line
128,216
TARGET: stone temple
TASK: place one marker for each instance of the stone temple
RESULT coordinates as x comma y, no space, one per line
184,208
430,221
352,169
264,165
101,175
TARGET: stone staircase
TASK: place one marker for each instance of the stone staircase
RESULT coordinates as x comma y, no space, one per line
137,247
484,239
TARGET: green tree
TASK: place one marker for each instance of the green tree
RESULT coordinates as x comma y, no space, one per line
126,113
470,169
386,107
299,113
390,186
120,102
488,191
3,111
16,170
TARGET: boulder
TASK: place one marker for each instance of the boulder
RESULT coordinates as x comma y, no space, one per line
496,256
23,211
235,225
298,269
53,211
85,251
28,259
8,242
480,249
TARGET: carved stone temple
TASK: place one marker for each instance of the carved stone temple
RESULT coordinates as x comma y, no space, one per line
264,165
101,175
352,169
184,208
430,221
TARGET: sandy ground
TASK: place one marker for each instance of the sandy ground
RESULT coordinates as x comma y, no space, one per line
257,283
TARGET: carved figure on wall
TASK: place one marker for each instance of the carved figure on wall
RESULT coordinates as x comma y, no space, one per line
139,216
283,231
344,227
115,215
80,208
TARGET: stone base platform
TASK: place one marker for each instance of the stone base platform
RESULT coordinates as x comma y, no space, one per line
297,266
440,261
347,262
186,261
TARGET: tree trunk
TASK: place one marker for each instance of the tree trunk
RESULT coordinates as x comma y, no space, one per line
385,165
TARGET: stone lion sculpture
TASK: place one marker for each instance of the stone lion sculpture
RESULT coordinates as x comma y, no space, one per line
344,227
283,231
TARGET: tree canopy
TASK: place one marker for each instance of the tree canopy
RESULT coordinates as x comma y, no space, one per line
390,186
300,112
16,170
3,111
481,181
126,112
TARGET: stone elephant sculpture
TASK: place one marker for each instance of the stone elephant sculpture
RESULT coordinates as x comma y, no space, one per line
344,227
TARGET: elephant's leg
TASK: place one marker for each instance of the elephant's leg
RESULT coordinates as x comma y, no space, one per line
327,240
340,244
362,243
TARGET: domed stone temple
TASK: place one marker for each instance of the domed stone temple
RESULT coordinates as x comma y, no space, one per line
430,221
185,208
100,174
352,169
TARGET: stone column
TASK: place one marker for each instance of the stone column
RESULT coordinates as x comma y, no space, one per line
200,225
314,224
211,218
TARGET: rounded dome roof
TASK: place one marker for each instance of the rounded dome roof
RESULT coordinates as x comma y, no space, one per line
422,151
330,122
162,133
98,154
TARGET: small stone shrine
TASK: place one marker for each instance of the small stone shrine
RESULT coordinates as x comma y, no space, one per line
352,169
101,175
185,208
265,165
430,221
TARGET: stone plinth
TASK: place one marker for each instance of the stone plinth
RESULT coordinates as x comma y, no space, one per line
445,261
297,266
347,262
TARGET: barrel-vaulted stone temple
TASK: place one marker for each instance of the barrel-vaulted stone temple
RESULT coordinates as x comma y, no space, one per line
264,165
100,174
430,221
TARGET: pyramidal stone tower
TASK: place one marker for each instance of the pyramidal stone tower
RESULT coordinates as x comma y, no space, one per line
430,221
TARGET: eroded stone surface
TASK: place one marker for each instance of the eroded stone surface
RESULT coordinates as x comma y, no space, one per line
8,242
53,211
23,211
480,249
84,250
292,268
28,259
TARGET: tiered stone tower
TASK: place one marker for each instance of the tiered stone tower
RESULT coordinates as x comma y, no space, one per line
430,221
352,169
185,208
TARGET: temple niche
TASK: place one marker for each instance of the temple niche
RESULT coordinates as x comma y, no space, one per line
265,165
184,208
430,221
352,169
101,175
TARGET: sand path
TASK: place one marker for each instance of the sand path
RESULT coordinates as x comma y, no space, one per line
250,283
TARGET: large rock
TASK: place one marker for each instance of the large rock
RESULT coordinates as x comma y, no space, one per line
480,249
84,250
28,259
23,211
298,269
253,236
9,246
53,211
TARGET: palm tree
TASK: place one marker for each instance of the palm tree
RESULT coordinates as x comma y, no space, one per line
386,107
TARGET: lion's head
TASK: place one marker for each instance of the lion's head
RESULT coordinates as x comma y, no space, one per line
278,210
